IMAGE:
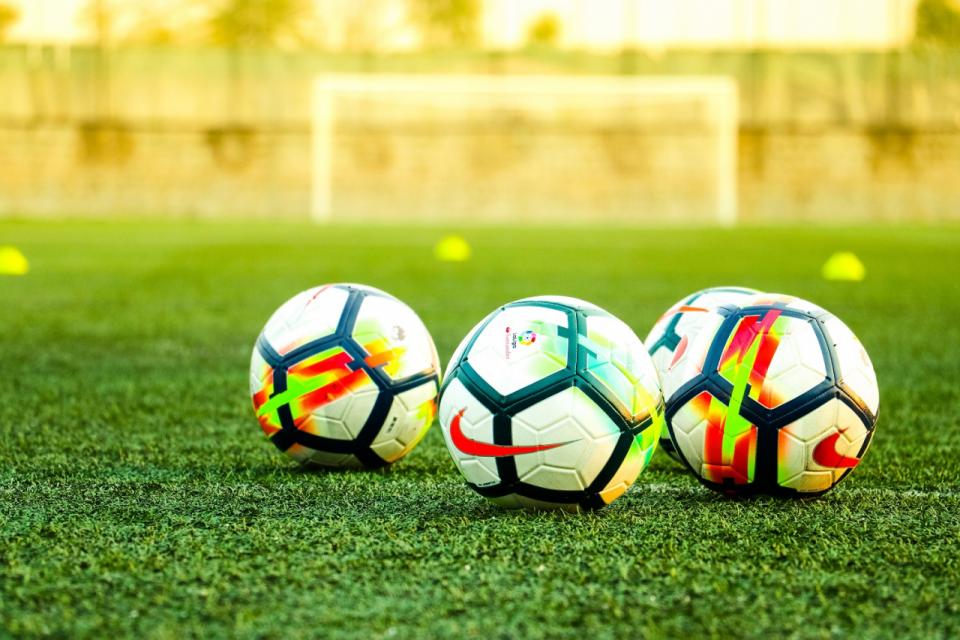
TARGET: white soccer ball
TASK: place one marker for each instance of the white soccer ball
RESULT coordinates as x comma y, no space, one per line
551,402
681,323
345,375
774,396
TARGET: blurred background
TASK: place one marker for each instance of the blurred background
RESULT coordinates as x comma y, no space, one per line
635,111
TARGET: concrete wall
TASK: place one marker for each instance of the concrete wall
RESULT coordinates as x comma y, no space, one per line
823,137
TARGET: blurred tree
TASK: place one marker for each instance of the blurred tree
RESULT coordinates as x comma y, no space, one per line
447,23
166,22
8,17
938,22
261,23
544,31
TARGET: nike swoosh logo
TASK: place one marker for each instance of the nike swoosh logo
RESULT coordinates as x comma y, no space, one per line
472,447
825,454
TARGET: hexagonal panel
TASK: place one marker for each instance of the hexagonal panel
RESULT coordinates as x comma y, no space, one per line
410,416
343,418
816,450
394,338
687,361
773,357
856,369
718,444
519,347
586,435
689,427
618,362
797,365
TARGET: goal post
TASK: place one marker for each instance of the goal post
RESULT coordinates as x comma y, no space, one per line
501,148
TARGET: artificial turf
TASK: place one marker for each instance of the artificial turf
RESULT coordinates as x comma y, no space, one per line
139,498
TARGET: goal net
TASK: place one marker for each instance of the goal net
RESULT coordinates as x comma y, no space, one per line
520,148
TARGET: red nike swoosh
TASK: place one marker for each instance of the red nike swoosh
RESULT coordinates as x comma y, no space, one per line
825,454
476,448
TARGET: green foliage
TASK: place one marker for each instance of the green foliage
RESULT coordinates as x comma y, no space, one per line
260,23
447,23
545,30
9,15
938,23
138,497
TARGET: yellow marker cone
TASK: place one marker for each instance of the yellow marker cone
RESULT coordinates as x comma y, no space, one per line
452,248
844,265
12,262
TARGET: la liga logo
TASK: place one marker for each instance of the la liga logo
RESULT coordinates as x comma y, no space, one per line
513,338
527,338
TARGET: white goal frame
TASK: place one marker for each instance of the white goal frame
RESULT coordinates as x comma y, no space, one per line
721,90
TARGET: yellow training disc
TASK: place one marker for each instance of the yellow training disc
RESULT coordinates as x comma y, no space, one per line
12,262
844,265
452,248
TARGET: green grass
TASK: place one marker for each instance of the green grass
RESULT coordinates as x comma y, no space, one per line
138,497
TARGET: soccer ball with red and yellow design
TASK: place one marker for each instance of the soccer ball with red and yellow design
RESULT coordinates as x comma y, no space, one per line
345,375
668,338
775,396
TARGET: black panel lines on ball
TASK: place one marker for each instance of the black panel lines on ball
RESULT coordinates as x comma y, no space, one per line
474,390
559,379
483,392
540,393
649,421
267,352
286,437
613,463
555,496
765,457
351,309
414,381
849,396
858,407
466,349
368,433
589,389
498,490
670,338
309,349
503,435
378,415
465,373
324,444
358,356
476,334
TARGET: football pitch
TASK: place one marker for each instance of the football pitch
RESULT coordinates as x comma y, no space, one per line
138,496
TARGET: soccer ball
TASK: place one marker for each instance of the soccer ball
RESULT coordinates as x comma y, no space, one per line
775,396
679,324
344,375
550,403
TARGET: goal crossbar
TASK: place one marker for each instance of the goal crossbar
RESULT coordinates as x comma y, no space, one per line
720,90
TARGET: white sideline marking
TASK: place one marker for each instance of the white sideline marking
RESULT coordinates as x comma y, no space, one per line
662,487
